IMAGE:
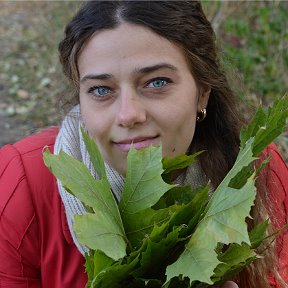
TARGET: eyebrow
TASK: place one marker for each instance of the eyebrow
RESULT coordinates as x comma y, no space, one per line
144,70
95,77
149,69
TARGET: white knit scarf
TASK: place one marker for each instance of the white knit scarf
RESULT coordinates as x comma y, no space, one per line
70,141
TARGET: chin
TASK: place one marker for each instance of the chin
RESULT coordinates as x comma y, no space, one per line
121,170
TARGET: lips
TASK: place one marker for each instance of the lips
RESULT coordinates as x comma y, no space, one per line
138,143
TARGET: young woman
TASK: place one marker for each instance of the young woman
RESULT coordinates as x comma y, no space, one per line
144,73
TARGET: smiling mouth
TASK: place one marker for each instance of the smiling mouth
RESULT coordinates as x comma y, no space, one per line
137,143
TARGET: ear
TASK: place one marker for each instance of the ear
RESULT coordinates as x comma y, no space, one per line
204,93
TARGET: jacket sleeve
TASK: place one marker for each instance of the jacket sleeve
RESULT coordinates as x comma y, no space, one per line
277,186
19,235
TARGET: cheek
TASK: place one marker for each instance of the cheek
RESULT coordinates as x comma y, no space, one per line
180,131
185,132
93,121
183,118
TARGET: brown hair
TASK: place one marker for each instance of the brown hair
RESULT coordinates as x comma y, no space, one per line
184,24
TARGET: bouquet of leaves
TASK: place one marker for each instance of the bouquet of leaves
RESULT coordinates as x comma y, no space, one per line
164,235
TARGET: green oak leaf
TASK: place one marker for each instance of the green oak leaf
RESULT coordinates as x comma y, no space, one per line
89,265
145,223
233,260
257,235
77,179
164,243
139,225
177,195
238,256
143,184
186,216
167,224
116,275
224,222
177,163
266,126
95,155
106,235
144,283
96,262
157,253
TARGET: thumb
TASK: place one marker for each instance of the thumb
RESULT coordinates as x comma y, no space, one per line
229,284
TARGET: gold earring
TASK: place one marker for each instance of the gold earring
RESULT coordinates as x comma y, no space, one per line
201,115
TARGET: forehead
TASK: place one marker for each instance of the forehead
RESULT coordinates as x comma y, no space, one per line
126,46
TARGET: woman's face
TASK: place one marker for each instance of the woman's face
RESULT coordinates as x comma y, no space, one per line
136,89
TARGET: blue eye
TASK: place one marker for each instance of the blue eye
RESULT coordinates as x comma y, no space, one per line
99,91
158,82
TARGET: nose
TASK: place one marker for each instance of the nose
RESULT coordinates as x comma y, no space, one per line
131,110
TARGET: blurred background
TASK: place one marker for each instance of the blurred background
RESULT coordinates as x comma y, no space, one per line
252,37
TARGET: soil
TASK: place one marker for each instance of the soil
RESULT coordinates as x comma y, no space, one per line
13,130
28,52
12,16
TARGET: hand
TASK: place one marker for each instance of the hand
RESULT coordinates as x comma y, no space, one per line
229,284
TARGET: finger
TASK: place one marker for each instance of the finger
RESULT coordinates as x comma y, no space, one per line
229,284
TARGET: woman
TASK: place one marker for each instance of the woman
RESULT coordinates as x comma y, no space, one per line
144,73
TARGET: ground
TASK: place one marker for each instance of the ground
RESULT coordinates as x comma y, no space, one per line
253,36
30,76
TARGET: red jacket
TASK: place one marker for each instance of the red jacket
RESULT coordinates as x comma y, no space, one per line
36,248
